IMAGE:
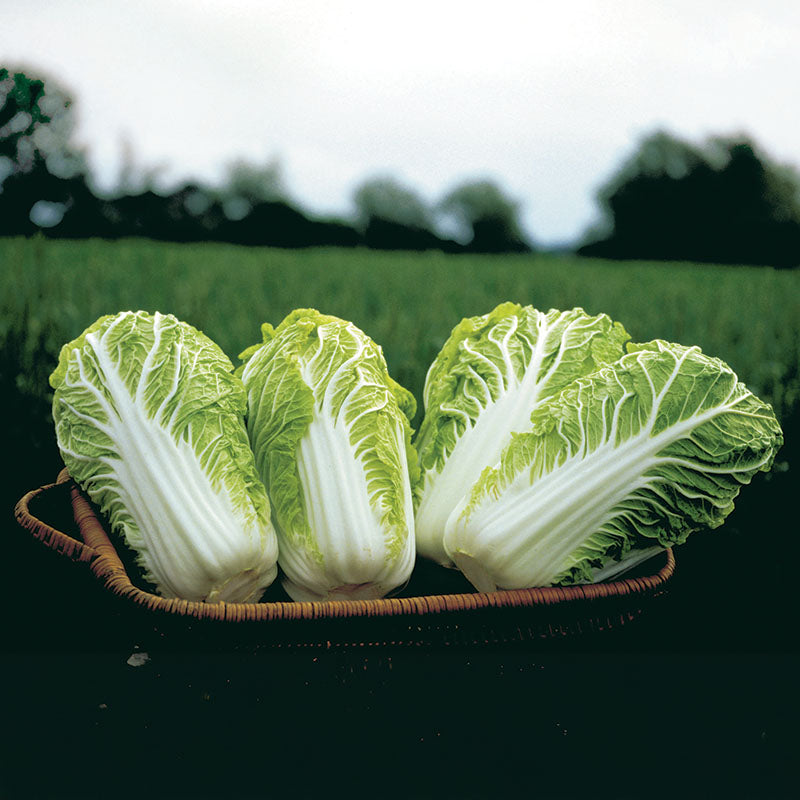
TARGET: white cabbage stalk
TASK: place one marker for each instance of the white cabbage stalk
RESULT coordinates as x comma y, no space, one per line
331,437
484,384
150,422
636,456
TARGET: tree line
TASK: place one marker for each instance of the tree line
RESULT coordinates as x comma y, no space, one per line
722,201
46,186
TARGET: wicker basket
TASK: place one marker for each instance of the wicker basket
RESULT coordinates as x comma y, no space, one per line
416,617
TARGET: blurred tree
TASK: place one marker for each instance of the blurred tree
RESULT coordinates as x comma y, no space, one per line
248,184
257,210
133,177
725,202
41,170
37,121
387,199
486,217
392,216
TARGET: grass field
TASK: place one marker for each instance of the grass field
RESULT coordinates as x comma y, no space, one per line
51,290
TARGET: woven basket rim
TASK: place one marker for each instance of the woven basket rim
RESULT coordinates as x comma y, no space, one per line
57,540
98,550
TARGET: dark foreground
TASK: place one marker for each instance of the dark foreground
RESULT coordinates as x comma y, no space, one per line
697,697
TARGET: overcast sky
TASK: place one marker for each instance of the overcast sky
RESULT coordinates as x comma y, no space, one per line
546,98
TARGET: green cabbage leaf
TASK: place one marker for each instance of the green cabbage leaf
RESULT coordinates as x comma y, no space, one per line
623,462
149,420
331,436
489,377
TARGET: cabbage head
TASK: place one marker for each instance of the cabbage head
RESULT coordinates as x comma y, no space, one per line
491,374
331,436
622,463
149,420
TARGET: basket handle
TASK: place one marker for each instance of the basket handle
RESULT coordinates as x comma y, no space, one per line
57,540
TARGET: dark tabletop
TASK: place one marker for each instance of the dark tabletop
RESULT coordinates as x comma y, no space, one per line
697,697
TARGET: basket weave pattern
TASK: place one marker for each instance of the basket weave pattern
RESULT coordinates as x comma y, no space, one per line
99,552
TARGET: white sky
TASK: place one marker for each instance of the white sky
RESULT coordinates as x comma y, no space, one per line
545,97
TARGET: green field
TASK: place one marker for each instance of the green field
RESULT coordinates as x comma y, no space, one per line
51,290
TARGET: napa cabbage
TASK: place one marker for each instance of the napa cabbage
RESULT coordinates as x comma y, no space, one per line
623,462
331,436
489,377
149,420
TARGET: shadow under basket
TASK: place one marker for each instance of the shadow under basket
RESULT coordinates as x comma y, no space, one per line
436,608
